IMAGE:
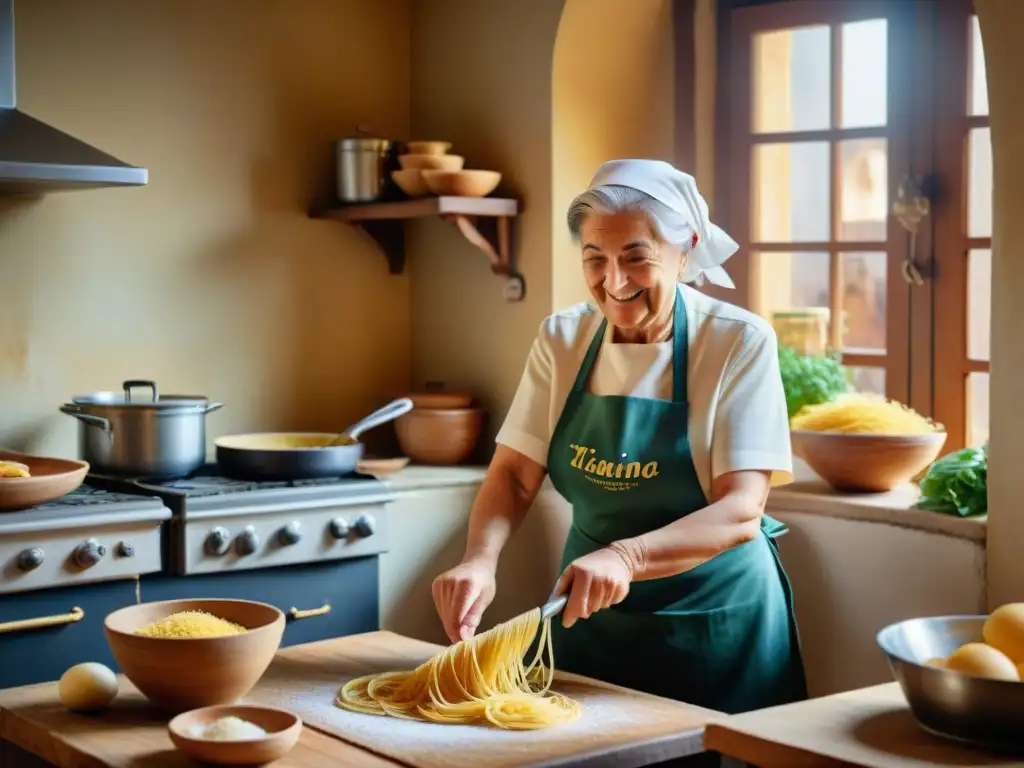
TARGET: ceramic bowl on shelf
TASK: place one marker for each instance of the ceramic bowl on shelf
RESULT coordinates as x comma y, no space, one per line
867,463
411,182
185,673
964,708
431,162
462,183
282,727
440,436
428,147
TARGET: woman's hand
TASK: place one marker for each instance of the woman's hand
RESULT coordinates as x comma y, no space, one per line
462,594
593,582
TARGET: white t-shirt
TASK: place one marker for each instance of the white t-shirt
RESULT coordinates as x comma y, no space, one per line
738,418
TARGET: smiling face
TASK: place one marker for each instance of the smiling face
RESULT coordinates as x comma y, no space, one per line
631,273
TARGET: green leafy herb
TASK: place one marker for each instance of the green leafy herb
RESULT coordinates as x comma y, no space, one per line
957,484
810,380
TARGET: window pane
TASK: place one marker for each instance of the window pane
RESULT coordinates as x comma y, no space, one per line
864,190
791,290
868,379
863,301
865,74
791,192
979,183
977,83
979,304
791,80
977,408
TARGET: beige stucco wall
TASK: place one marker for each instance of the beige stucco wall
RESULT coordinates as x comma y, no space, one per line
482,80
1001,22
211,279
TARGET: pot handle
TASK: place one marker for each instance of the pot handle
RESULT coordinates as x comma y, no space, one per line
85,418
212,407
391,411
133,383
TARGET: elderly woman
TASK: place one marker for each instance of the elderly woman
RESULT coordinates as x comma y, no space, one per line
659,414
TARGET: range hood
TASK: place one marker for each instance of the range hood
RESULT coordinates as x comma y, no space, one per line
36,158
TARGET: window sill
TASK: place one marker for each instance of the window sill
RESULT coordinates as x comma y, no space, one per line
810,495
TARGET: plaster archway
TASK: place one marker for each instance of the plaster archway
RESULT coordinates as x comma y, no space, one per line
612,97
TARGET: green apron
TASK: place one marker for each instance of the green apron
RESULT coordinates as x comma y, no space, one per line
722,635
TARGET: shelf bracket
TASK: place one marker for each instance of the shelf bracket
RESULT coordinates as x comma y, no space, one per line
492,238
390,236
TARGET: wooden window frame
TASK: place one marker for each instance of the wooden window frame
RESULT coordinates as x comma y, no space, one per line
926,324
952,243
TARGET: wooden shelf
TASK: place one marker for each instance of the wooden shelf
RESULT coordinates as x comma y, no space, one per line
485,222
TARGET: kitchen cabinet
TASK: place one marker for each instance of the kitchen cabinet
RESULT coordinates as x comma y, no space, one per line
42,653
330,599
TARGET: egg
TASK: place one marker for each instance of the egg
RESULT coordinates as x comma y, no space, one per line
982,660
1004,631
87,687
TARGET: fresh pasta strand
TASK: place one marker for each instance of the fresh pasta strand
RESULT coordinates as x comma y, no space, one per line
481,681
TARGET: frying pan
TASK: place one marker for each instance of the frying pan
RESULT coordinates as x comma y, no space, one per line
281,456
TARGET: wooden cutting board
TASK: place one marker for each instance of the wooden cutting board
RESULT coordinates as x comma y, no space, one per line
618,727
869,727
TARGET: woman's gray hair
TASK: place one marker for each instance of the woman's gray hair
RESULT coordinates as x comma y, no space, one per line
669,226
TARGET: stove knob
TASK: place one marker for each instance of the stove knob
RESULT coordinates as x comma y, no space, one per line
364,526
290,534
338,528
88,553
30,559
125,549
217,542
247,541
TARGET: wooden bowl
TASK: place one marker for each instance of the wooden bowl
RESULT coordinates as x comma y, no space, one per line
185,673
431,162
442,437
462,183
50,479
411,182
283,732
428,147
867,463
441,400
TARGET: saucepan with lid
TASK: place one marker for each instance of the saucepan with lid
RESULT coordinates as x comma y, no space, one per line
158,437
281,456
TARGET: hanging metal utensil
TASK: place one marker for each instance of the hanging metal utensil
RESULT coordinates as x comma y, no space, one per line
910,209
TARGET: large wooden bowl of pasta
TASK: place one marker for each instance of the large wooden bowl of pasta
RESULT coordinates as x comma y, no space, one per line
865,443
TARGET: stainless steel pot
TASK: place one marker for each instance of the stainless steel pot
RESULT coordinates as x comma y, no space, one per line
361,166
160,437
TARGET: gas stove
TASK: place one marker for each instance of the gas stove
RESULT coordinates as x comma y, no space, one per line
91,534
220,524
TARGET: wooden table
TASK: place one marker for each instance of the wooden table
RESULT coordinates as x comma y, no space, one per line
36,729
868,727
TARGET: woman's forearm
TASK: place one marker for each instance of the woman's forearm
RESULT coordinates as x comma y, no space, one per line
504,499
692,540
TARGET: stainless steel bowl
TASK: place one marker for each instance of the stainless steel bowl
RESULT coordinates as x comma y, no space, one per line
970,709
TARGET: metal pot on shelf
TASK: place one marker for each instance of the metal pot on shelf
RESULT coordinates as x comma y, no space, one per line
159,437
362,165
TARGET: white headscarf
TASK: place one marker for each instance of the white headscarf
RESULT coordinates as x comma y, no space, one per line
678,191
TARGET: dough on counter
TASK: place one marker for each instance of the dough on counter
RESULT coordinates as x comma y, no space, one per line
480,681
14,469
87,687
